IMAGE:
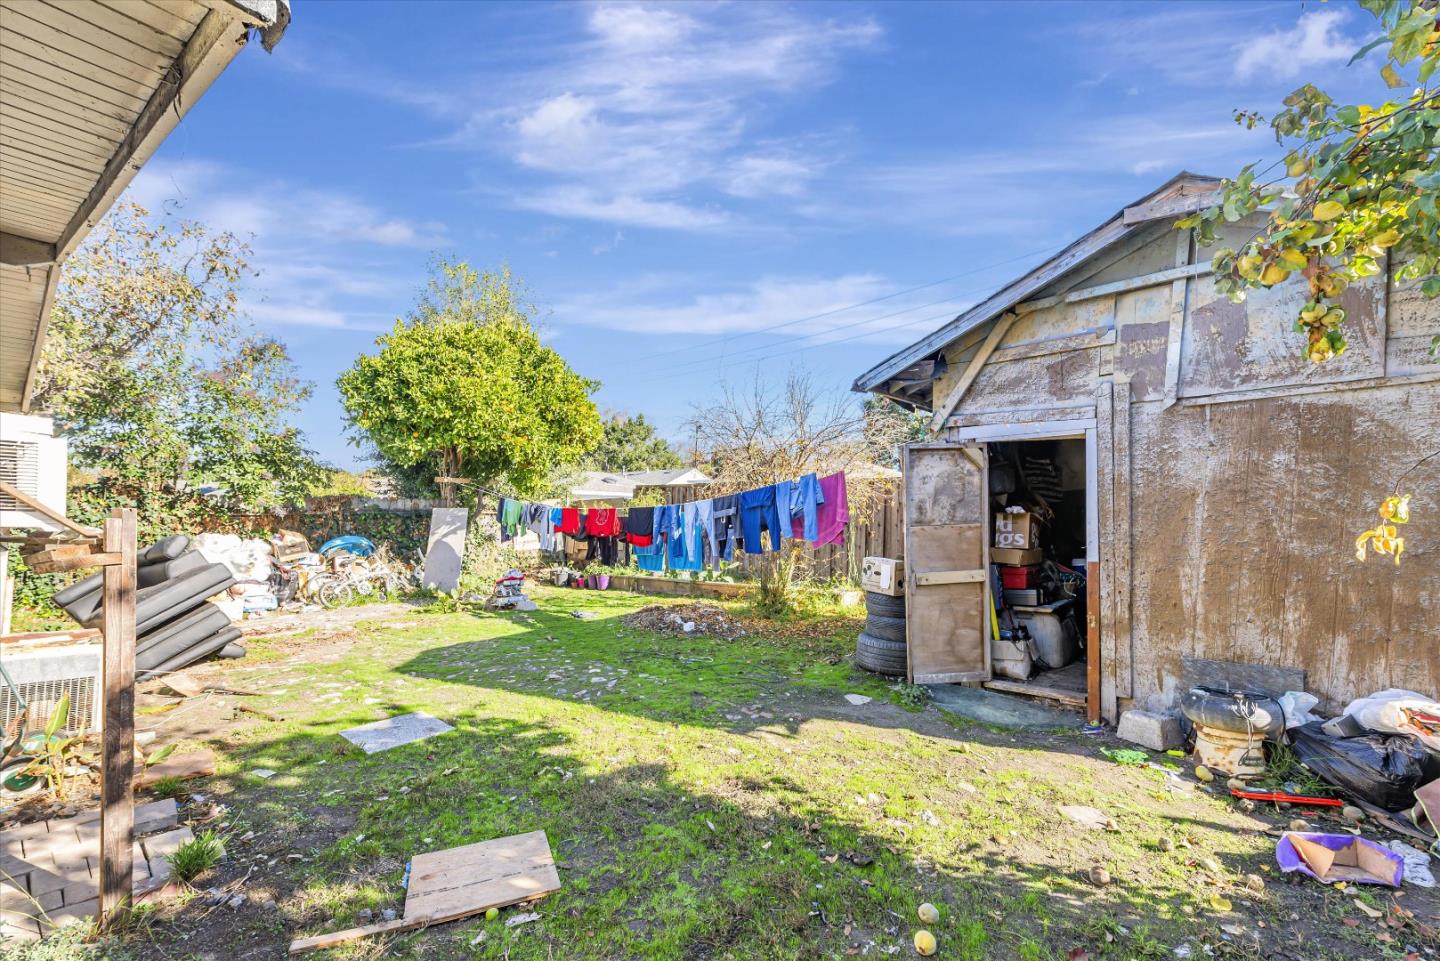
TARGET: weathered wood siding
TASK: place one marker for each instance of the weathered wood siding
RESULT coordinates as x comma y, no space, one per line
1229,513
1244,521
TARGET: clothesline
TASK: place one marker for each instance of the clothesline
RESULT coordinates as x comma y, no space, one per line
684,536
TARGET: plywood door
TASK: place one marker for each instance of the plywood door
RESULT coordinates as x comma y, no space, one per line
946,564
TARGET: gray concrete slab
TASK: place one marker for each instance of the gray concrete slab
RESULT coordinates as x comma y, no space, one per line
1002,710
395,731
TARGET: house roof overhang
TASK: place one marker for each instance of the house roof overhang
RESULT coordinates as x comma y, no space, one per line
88,91
1182,192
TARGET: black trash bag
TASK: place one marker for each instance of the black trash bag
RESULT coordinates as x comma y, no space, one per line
1382,769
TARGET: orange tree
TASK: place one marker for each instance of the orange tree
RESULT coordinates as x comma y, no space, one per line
1361,183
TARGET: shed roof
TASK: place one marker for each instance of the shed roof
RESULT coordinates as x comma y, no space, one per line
1181,192
88,91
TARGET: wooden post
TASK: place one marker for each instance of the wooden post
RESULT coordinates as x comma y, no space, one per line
117,752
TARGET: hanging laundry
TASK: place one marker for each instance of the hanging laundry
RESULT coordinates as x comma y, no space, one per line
805,500
758,511
511,514
602,522
639,526
699,526
650,557
682,554
725,529
569,521
834,512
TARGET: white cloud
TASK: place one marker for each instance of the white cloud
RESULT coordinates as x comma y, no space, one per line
1316,40
809,311
653,106
589,204
320,254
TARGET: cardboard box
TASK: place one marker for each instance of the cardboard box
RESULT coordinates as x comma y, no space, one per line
883,575
1338,857
1011,555
1018,531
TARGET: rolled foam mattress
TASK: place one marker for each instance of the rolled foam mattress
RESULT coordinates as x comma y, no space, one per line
169,599
177,636
210,645
81,600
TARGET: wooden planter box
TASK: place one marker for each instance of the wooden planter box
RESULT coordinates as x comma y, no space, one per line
678,588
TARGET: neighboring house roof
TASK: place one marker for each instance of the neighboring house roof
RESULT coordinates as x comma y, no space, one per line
1181,193
91,89
621,485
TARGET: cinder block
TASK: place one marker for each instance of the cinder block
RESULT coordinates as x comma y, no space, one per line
1158,732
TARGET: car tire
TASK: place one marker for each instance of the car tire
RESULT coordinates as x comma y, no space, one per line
880,656
876,603
886,628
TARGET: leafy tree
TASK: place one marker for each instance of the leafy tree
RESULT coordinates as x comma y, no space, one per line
465,388
343,483
631,444
159,385
1366,185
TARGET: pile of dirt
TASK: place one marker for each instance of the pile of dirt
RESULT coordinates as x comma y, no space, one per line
697,618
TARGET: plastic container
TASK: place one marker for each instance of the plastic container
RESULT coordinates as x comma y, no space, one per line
1019,578
1052,628
602,582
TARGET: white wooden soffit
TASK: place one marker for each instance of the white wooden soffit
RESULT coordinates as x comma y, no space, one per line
997,333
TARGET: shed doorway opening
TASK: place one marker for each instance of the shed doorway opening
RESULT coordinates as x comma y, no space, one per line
1040,552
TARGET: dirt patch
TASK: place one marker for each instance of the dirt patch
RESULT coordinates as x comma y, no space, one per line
697,618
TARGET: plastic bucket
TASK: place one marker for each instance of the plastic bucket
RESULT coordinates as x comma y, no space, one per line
602,582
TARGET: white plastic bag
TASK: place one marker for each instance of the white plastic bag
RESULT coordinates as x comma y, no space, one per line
1297,705
1386,711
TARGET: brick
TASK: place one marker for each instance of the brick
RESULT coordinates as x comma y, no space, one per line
1158,732
156,816
82,913
50,901
17,926
43,882
35,830
78,891
164,845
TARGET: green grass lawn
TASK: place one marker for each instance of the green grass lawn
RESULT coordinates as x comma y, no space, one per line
710,799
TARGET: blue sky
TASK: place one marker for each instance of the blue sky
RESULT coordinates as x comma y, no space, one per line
697,192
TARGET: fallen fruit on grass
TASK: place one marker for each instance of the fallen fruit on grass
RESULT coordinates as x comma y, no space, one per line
924,943
1351,813
929,913
1299,824
1255,883
1203,773
1165,844
1099,876
492,914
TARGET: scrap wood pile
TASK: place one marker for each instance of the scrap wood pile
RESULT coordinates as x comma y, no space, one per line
697,618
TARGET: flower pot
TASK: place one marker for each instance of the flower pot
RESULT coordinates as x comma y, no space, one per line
602,582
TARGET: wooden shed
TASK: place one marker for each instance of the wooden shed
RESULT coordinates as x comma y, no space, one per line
1208,478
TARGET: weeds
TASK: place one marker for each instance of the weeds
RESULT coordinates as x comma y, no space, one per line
196,856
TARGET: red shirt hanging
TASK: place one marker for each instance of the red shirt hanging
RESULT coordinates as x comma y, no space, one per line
569,520
602,522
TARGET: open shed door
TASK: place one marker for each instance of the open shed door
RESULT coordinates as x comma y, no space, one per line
947,609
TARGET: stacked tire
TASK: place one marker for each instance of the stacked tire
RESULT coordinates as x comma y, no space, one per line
880,648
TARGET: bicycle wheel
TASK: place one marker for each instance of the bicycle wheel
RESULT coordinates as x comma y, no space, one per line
334,593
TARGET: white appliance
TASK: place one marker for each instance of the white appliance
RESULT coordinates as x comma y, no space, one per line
32,460
43,675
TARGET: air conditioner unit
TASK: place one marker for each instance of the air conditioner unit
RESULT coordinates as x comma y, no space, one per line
32,460
44,675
